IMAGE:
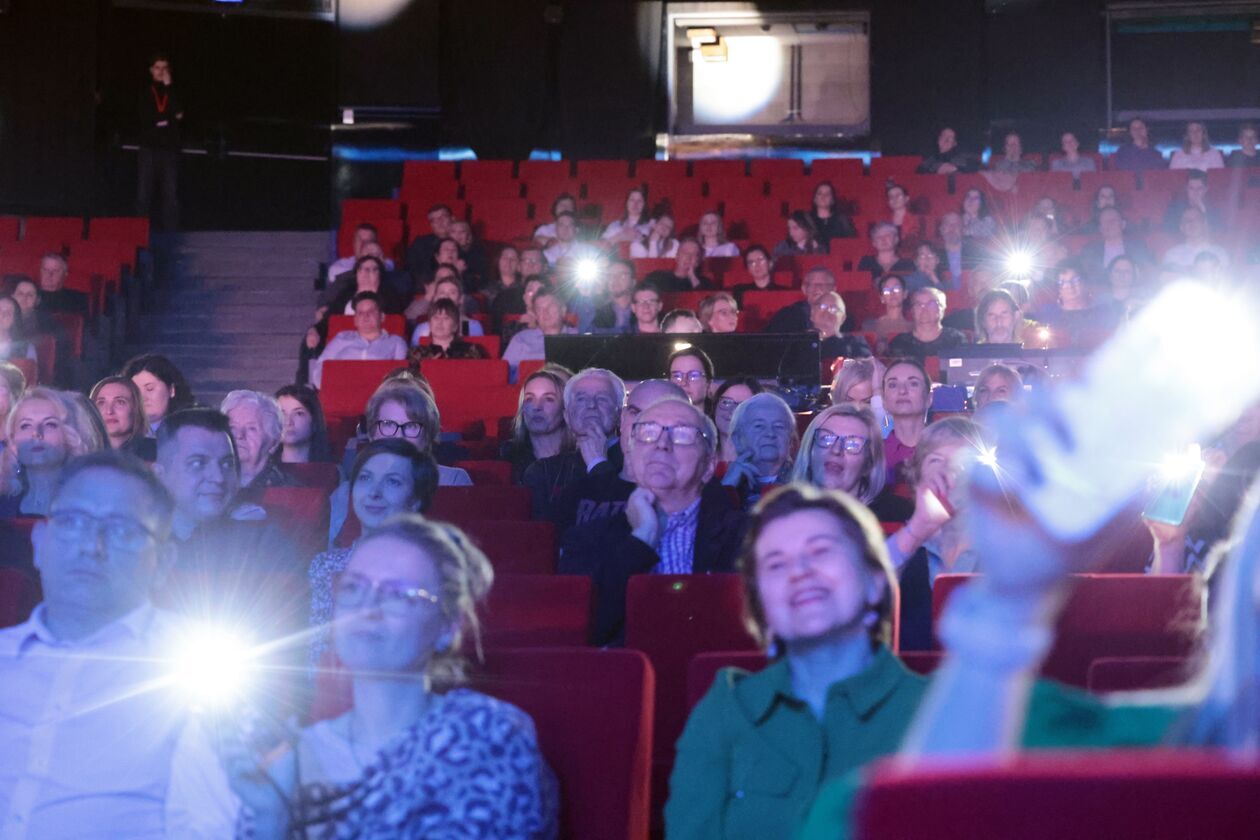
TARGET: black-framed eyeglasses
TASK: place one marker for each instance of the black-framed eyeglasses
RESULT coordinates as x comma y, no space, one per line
121,533
650,432
391,428
851,444
397,597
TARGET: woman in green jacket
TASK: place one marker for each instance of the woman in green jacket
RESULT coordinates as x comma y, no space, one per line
758,747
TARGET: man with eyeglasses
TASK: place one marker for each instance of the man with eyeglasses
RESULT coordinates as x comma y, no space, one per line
827,318
592,411
227,561
795,317
89,724
368,340
670,526
645,305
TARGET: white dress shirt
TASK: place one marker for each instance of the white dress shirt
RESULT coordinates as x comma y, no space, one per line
88,733
348,344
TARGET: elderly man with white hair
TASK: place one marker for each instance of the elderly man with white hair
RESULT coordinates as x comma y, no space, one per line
592,409
257,426
670,524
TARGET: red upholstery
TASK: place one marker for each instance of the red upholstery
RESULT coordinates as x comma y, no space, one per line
475,171
593,713
46,353
473,504
72,323
537,611
1138,673
502,219
480,408
759,307
1113,615
394,325
838,171
348,384
718,172
603,170
487,472
705,666
356,210
671,618
774,168
18,596
132,230
682,300
302,513
53,230
464,375
29,369
10,227
322,475
921,661
391,233
515,547
427,182
1153,795
900,168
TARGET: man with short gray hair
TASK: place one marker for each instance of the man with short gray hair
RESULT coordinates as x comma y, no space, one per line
794,318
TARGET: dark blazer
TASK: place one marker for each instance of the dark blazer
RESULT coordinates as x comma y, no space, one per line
1091,257
548,478
605,551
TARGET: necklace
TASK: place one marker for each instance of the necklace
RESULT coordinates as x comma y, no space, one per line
353,740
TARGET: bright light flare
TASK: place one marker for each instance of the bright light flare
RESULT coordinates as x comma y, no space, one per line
987,456
587,270
213,666
1181,466
1019,263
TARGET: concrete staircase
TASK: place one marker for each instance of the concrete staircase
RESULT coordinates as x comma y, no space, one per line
234,307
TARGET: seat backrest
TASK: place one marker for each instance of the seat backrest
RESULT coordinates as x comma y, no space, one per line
130,230
323,475
839,171
537,611
10,227
1096,795
1112,615
592,710
761,305
464,375
394,325
1138,673
513,546
491,343
302,513
72,323
478,503
427,180
53,230
487,472
705,666
347,384
18,596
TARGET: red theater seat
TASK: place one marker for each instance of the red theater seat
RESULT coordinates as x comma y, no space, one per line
475,504
514,547
10,227
72,324
394,325
1138,673
593,713
1110,616
838,171
900,168
302,513
760,306
19,594
775,168
487,472
491,343
132,230
347,385
682,300
705,666
391,233
1148,794
356,210
322,475
603,170
537,611
62,231
502,219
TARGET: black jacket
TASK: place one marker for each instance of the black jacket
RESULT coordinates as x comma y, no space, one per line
549,478
604,550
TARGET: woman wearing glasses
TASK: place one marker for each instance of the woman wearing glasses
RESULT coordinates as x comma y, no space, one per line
389,477
819,595
692,370
417,755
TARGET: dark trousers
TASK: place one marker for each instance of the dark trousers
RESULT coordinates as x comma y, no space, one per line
159,168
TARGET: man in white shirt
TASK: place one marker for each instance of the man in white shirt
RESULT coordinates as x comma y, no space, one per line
567,244
1194,229
364,235
368,341
89,718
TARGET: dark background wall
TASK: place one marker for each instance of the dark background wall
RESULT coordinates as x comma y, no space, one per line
582,76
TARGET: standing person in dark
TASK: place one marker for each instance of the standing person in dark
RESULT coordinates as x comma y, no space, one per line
160,114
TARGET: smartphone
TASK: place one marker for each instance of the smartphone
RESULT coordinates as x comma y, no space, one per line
1174,492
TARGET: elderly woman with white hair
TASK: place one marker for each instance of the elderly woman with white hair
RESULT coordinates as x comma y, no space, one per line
257,428
763,434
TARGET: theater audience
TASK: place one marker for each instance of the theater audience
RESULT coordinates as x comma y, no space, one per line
472,253
12,386
566,244
163,388
538,430
842,450
860,381
404,609
1196,150
885,239
121,408
593,399
669,526
977,219
364,234
11,346
1012,160
681,322
712,237
998,383
1000,320
892,295
928,270
616,313
1075,320
760,266
691,369
658,242
53,294
507,274
305,436
795,317
719,313
645,303
1137,154
819,596
764,437
1127,285
1112,243
545,235
907,392
948,157
909,226
733,391
388,477
928,336
257,428
450,288
1245,156
442,339
42,436
513,310
423,249
802,237
1072,160
685,275
633,224
34,320
368,340
549,313
1195,195
827,316
829,222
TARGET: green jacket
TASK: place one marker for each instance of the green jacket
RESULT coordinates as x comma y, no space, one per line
753,756
1058,718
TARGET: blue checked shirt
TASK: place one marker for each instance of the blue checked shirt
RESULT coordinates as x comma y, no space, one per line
677,545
